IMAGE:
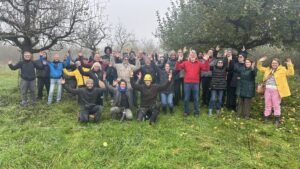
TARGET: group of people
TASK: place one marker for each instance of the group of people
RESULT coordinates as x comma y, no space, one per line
225,79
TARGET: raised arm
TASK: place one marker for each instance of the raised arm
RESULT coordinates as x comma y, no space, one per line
74,91
16,66
83,73
260,66
290,68
68,73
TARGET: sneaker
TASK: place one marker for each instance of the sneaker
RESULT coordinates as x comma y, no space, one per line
196,115
185,114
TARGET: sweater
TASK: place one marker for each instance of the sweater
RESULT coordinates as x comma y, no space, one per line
149,93
192,70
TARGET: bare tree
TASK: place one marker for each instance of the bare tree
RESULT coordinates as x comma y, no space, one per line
122,37
36,25
95,30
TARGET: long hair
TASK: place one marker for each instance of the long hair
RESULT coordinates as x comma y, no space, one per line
276,60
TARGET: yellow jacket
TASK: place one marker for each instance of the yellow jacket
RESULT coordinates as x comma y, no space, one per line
79,78
280,76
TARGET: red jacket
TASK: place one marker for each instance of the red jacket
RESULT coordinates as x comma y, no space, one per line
192,70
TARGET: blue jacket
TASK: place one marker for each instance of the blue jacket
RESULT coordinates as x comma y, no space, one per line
56,68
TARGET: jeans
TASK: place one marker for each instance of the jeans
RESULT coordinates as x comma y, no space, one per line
216,99
188,88
54,82
167,99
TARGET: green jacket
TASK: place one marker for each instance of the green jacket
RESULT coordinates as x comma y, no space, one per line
246,82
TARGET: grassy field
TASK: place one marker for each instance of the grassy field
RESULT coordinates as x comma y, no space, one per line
50,137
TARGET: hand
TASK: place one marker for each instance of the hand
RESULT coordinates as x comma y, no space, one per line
180,58
170,75
65,56
253,65
44,62
139,75
288,61
243,49
218,48
184,49
263,58
104,76
69,51
41,53
115,82
62,81
206,56
101,84
10,62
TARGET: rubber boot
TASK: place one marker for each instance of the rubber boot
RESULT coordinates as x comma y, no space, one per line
277,121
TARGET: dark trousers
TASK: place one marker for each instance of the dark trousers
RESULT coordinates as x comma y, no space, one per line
150,113
231,98
205,90
177,92
84,114
135,97
26,86
244,107
182,88
43,81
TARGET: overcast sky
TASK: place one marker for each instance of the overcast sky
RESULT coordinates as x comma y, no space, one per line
138,16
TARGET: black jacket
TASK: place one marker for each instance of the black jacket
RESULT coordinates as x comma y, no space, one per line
149,94
96,76
27,68
86,97
233,75
218,80
42,73
164,76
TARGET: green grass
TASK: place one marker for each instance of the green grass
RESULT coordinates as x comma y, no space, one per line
50,137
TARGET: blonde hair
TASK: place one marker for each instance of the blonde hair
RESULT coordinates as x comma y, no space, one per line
97,64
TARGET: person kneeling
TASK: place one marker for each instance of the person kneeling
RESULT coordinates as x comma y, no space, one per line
87,99
149,108
122,102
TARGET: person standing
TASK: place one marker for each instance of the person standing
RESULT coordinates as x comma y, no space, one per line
246,88
56,72
27,66
275,77
43,76
192,68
